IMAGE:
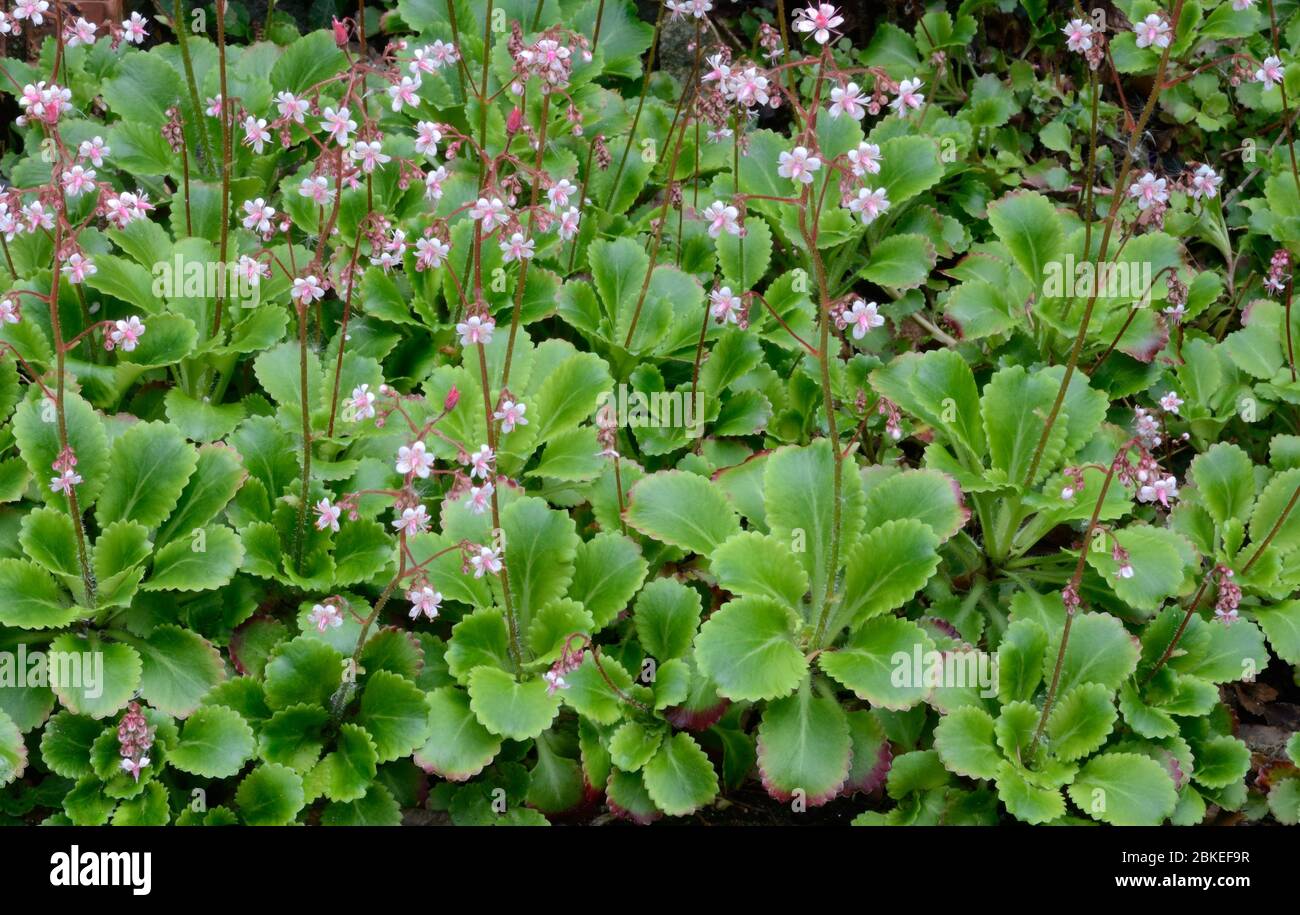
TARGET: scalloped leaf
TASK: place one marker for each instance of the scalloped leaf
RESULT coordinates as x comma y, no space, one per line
804,745
748,649
215,743
680,779
508,708
682,509
1124,789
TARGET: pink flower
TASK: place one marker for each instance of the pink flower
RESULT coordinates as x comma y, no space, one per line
325,616
414,458
568,224
9,312
511,414
1171,402
338,124
1078,35
307,289
291,107
1159,490
847,100
77,180
819,20
430,253
486,560
1152,30
80,32
909,96
868,205
516,248
78,268
554,682
1205,183
481,462
133,31
433,183
317,190
258,215
369,155
126,334
721,218
403,93
427,137
480,498
362,402
1270,74
475,330
95,150
862,317
256,134
31,9
725,306
413,521
213,108
1149,190
65,481
559,193
424,600
491,213
798,165
327,515
253,271
865,160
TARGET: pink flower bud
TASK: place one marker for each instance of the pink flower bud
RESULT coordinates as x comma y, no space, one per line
453,398
514,121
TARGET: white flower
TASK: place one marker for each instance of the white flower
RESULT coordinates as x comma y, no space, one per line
511,414
1152,30
424,600
414,459
862,317
362,402
481,462
865,160
1171,402
307,289
798,165
847,100
1270,74
413,520
1148,190
908,96
327,515
325,616
819,20
1205,182
338,124
480,499
291,107
475,330
255,133
516,248
725,306
403,93
427,137
1159,490
868,205
484,561
492,212
1078,35
721,218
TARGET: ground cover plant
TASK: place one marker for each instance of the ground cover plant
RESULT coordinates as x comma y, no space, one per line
527,411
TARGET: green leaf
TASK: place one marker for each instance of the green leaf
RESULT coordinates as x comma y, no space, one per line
394,713
505,707
270,795
294,736
48,537
1281,623
666,616
213,484
747,648
591,696
568,395
1224,476
207,560
1100,650
307,61
680,779
1272,503
1025,801
965,742
541,544
458,747
303,670
30,598
1027,223
798,487
908,166
758,565
1020,660
900,261
682,509
607,571
103,692
66,743
1156,557
215,743
346,773
926,495
37,434
362,549
886,568
202,420
877,663
634,744
804,745
755,248
1221,761
1124,789
179,668
1015,405
13,752
1081,721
